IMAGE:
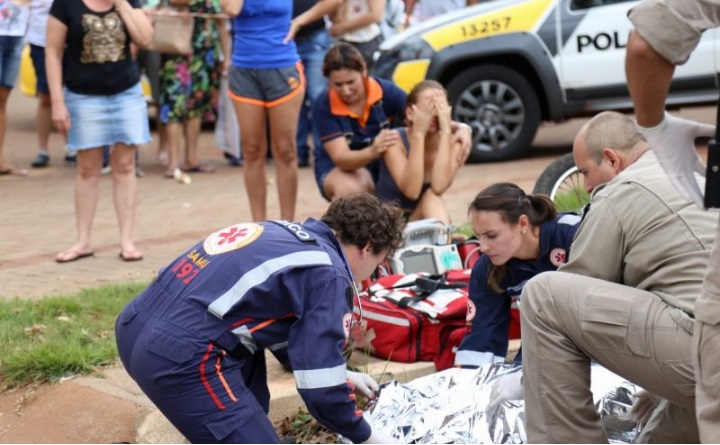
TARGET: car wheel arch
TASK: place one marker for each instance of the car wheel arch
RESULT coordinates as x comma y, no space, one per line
520,52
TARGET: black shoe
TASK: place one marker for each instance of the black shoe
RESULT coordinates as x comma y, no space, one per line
41,160
233,160
70,159
302,163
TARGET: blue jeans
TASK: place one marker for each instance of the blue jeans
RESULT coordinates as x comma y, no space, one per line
10,51
312,51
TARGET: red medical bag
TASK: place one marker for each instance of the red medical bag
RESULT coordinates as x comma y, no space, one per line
407,318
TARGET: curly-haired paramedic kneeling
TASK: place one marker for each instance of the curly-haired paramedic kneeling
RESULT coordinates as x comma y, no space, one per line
195,339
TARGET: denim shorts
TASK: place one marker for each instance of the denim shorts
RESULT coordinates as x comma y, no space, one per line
266,87
96,121
10,51
37,54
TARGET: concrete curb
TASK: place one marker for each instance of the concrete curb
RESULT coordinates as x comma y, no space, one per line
154,428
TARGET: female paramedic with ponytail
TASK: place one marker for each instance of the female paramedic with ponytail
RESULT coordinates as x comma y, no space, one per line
520,236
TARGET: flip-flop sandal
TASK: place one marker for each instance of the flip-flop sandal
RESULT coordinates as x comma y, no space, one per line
200,168
128,258
14,171
74,257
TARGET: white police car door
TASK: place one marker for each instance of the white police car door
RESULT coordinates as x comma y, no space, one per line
592,57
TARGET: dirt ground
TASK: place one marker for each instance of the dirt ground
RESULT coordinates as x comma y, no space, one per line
38,221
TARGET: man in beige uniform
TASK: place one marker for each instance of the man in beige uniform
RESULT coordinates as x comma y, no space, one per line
666,33
625,298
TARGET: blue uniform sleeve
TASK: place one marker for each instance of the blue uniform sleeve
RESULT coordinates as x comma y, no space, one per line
487,339
325,124
567,230
394,101
315,349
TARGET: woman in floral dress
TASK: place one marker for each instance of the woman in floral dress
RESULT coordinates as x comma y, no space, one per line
189,85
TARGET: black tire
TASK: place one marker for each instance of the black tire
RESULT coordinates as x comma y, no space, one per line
501,107
552,178
564,184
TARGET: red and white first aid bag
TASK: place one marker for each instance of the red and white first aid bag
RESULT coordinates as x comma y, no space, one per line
408,318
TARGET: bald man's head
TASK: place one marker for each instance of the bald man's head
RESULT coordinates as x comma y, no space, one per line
605,146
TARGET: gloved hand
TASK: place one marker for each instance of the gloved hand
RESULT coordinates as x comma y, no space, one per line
507,387
673,141
644,406
363,383
376,435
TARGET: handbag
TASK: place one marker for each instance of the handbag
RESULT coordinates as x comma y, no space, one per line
227,132
173,31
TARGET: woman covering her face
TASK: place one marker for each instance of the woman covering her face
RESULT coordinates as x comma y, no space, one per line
423,162
520,236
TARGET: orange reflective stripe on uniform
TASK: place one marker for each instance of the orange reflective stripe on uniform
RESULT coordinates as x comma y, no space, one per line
218,366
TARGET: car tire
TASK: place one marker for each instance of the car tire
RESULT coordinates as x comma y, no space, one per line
501,107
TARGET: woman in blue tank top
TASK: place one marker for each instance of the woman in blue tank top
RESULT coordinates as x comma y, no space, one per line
267,85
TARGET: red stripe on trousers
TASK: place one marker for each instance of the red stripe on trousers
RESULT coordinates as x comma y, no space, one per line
204,379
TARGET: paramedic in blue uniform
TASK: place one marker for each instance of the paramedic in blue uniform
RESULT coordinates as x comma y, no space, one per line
353,123
195,339
520,236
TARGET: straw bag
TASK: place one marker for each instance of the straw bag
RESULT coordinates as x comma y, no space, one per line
173,31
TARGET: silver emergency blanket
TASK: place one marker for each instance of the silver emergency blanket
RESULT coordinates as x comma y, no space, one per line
450,407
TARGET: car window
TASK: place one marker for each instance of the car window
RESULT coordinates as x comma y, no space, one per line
587,4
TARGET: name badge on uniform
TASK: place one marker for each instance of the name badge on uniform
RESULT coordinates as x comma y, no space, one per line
296,229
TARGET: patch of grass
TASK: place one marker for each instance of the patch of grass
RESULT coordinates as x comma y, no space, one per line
56,337
302,428
571,200
464,230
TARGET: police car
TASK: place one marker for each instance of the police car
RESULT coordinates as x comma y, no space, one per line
510,64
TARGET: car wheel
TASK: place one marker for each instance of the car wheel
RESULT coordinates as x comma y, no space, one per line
501,107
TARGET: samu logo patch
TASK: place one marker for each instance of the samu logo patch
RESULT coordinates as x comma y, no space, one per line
231,238
558,257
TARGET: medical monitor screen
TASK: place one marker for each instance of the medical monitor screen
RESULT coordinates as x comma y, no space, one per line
422,261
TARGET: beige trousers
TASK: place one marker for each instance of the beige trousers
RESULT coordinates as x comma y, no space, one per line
706,348
569,320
